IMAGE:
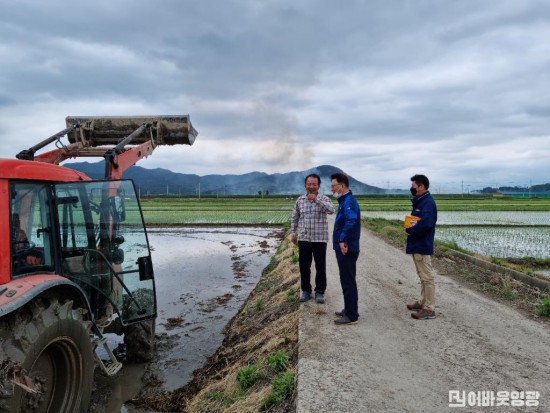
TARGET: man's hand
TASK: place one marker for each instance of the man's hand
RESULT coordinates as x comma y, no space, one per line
343,248
311,197
294,238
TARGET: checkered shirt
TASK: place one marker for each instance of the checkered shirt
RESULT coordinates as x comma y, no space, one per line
309,219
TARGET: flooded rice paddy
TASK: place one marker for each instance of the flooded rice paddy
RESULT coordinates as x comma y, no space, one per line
202,276
500,234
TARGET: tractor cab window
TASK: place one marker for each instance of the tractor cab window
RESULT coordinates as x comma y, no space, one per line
31,235
104,247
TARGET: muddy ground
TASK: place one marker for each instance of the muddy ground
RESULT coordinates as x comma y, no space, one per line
203,276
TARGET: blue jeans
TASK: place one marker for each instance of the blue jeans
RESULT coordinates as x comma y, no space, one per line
347,266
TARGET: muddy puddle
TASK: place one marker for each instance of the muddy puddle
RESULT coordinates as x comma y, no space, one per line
202,275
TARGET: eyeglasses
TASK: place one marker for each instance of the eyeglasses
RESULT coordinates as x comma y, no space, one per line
335,185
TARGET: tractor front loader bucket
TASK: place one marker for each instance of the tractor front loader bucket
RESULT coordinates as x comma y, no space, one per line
111,130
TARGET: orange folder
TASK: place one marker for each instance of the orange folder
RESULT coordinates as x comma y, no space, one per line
410,221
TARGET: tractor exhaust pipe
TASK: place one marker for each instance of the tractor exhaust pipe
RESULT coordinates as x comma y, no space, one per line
112,130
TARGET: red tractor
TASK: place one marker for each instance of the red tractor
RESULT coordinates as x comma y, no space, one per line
75,261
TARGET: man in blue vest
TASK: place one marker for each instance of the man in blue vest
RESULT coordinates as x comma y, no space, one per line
345,242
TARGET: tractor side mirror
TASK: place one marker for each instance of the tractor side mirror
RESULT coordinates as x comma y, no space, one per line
145,265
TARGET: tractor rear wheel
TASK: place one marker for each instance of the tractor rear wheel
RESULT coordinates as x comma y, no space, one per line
50,342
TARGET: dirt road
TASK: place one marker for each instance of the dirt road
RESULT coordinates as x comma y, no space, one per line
389,362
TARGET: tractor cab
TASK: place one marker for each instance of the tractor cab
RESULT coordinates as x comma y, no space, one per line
91,232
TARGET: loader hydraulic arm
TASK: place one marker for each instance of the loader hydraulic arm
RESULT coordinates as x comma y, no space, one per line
118,160
122,141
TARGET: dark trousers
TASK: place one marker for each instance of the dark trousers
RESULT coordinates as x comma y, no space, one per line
347,266
317,251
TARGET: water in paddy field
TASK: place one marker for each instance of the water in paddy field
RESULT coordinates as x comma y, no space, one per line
202,276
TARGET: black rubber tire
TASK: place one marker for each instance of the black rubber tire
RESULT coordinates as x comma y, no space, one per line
139,339
50,341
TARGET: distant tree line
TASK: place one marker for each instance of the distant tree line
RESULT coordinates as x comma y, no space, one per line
534,188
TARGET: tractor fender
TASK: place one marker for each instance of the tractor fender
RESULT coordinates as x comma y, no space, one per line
20,291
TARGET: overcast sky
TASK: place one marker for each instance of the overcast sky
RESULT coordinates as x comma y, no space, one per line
383,89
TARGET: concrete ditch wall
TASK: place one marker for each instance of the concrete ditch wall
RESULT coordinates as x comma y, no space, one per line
517,275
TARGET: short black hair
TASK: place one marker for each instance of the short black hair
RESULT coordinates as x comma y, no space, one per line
421,179
313,176
341,178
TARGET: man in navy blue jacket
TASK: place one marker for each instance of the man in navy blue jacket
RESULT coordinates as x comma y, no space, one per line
345,242
420,243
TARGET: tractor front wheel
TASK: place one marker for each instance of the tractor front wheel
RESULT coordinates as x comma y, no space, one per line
48,342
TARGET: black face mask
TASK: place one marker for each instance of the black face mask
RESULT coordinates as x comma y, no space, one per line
413,191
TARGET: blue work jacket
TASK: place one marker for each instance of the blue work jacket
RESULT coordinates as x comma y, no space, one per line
347,225
421,235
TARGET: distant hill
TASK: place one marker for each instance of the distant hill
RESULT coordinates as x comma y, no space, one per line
164,181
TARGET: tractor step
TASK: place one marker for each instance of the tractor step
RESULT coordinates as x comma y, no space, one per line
114,366
111,130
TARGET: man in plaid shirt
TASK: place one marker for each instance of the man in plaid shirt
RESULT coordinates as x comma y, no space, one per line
309,228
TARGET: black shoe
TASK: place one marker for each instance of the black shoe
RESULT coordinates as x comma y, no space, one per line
340,313
305,296
319,298
344,320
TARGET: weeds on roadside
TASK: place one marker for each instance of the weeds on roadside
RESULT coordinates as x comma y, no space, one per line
271,266
278,361
497,261
282,389
467,274
260,305
266,283
291,294
285,337
544,307
225,399
391,229
248,375
508,291
275,257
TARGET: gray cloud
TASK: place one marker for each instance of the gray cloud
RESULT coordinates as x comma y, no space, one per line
380,89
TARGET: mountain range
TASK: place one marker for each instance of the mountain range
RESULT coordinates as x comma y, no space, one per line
163,181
